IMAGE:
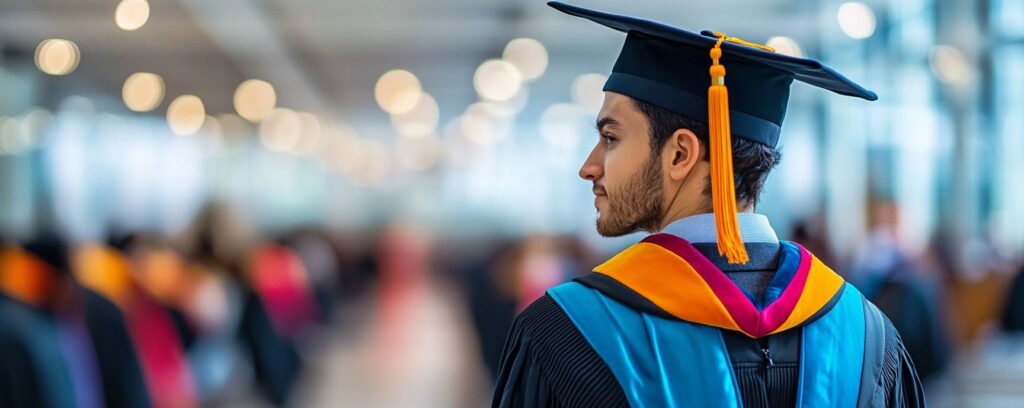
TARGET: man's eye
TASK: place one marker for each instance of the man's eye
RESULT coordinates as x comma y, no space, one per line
608,139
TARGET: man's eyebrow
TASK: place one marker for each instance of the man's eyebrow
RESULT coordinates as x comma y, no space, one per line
606,121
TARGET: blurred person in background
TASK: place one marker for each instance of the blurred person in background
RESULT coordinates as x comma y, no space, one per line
404,256
493,299
903,287
539,264
1012,319
812,234
270,300
280,305
417,339
144,278
514,276
321,258
712,309
62,344
205,305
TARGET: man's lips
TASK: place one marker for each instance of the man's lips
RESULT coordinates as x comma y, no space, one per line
599,194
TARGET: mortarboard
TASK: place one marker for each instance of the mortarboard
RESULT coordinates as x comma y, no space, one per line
684,72
52,250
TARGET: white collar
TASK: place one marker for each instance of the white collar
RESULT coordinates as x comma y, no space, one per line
701,228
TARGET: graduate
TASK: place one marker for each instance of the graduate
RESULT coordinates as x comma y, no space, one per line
711,309
61,344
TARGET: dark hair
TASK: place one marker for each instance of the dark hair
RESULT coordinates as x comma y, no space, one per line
751,161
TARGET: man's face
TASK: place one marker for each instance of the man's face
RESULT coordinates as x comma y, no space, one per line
626,175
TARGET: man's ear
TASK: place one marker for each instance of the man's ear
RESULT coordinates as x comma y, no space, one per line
680,153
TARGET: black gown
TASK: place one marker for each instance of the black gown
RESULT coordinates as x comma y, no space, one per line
33,373
32,370
548,363
116,357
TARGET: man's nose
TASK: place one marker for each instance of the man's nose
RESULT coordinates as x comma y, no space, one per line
592,169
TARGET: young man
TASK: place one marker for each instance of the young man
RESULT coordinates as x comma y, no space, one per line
711,310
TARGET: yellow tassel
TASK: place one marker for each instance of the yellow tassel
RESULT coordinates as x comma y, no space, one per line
723,189
743,42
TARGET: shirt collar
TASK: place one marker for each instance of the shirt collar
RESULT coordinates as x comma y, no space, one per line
701,228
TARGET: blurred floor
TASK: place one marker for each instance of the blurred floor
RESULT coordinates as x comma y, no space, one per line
987,377
430,361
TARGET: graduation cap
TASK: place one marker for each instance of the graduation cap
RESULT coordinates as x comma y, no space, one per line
52,250
684,72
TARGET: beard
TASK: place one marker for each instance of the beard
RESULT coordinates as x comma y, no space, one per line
637,206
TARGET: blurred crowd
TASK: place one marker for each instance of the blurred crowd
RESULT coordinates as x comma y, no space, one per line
168,321
217,316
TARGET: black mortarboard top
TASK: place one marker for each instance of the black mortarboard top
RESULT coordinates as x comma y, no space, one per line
685,73
52,250
668,67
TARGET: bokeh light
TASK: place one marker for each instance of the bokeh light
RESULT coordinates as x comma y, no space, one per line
281,130
497,80
419,121
480,128
340,149
398,91
528,55
186,114
255,99
856,19
143,91
57,56
310,135
950,65
587,92
130,15
786,46
562,125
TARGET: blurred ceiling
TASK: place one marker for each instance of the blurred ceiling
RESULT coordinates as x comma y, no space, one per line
325,55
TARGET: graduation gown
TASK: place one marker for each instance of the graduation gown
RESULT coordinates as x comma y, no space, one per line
116,357
1012,320
33,372
661,325
78,356
910,306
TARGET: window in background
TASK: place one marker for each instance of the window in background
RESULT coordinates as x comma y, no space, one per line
1008,95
